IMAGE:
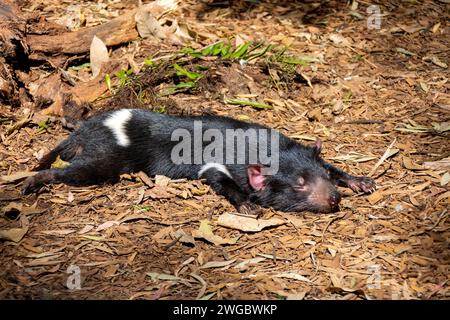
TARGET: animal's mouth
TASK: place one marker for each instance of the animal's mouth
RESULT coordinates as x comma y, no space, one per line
322,209
326,207
330,209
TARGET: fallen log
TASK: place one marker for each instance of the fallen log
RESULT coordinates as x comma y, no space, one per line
12,48
115,32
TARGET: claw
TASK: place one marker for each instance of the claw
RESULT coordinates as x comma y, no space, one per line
250,209
28,186
364,184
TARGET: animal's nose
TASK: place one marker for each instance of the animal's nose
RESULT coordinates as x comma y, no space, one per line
334,199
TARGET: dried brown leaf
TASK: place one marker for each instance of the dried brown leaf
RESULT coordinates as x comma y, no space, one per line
98,55
17,176
247,224
205,232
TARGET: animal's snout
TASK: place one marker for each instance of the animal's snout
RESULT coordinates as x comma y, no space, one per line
334,199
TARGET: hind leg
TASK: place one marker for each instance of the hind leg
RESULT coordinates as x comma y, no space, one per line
77,173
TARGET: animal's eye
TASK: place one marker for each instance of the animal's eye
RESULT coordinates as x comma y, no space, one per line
301,181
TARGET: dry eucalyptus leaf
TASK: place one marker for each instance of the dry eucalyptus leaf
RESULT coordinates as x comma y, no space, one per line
163,276
21,209
60,232
435,60
163,233
16,234
205,232
98,56
443,164
354,157
410,165
162,181
107,225
252,261
86,229
339,40
387,154
297,221
12,208
435,28
217,264
441,126
296,296
445,179
147,25
293,275
410,29
17,176
182,30
424,86
183,237
159,192
375,197
247,224
145,179
70,197
147,16
404,51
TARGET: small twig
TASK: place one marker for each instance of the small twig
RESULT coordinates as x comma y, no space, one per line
442,216
172,243
19,124
365,121
329,222
383,158
362,55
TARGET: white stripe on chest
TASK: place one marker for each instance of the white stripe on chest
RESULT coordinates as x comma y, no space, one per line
213,165
117,122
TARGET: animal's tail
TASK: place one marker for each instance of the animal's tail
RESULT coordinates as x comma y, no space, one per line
66,150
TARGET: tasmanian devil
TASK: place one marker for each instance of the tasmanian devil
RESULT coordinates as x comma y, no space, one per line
249,164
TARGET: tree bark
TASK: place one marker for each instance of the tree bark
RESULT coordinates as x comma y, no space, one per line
27,39
12,49
119,30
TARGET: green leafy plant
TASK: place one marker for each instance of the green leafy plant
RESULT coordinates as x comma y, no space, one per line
108,81
182,86
80,67
194,76
149,61
142,208
124,76
43,125
245,51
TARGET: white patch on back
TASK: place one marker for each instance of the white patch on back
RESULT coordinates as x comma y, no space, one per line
117,122
214,165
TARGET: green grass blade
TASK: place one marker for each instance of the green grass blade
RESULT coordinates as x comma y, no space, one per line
191,75
254,104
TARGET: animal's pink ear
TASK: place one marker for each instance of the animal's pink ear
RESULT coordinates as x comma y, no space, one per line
317,146
256,179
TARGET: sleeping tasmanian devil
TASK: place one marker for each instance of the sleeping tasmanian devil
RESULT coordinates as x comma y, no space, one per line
249,164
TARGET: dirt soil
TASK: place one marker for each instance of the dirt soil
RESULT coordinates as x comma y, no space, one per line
369,93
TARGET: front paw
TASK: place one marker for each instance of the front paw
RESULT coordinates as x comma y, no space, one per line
31,184
364,184
250,209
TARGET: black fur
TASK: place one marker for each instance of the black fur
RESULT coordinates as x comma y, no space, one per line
95,157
